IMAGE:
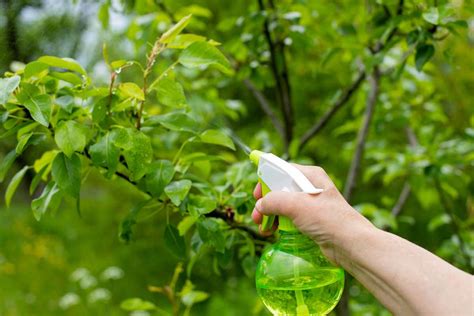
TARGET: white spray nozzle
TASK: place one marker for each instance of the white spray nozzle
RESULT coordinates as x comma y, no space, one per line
280,175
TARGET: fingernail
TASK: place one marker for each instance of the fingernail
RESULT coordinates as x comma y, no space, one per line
258,205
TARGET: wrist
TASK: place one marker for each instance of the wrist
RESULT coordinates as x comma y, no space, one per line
353,236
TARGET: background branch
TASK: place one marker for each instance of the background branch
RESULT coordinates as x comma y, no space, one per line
402,199
281,80
336,106
374,82
406,190
265,105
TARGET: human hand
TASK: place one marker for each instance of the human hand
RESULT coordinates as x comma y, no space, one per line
324,217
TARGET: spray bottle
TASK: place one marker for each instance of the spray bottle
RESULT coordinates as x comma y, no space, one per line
293,277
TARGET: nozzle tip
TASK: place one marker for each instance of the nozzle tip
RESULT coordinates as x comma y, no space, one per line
255,156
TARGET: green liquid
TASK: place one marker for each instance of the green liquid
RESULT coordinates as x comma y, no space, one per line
320,293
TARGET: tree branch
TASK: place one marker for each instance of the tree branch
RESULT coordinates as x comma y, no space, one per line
345,96
402,199
406,190
374,81
282,83
265,105
343,99
233,224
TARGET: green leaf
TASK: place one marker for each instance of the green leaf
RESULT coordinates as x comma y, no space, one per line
131,90
122,138
66,102
200,205
216,137
66,63
126,226
70,136
49,199
160,175
117,64
139,155
99,110
14,185
35,68
39,107
178,190
6,163
201,54
249,265
438,221
170,93
413,37
137,304
194,297
105,154
66,173
103,15
431,15
423,55
185,224
67,77
21,145
175,121
210,232
169,35
184,40
37,178
175,242
7,86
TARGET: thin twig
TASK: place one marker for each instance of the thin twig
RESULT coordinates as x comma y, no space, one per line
374,81
265,105
151,58
283,88
402,199
343,99
406,190
113,75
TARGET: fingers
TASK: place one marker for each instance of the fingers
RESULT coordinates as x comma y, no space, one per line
281,203
257,217
257,192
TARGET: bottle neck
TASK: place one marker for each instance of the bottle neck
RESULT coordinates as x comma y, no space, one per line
295,239
286,224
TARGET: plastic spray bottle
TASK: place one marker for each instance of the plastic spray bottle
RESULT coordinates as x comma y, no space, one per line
293,277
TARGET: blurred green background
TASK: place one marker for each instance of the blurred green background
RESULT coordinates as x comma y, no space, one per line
66,265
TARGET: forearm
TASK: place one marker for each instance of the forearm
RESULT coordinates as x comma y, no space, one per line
404,277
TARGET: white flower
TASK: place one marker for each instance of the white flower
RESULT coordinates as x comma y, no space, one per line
292,15
99,294
245,37
112,273
79,273
297,28
87,282
139,313
254,64
68,300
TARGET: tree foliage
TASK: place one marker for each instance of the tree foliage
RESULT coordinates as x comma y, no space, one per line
360,93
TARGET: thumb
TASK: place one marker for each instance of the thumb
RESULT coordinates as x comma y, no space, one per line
281,203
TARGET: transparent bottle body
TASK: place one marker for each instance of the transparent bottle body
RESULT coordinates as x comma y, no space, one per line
294,278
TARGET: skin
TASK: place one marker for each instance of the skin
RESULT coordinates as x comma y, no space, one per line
405,278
